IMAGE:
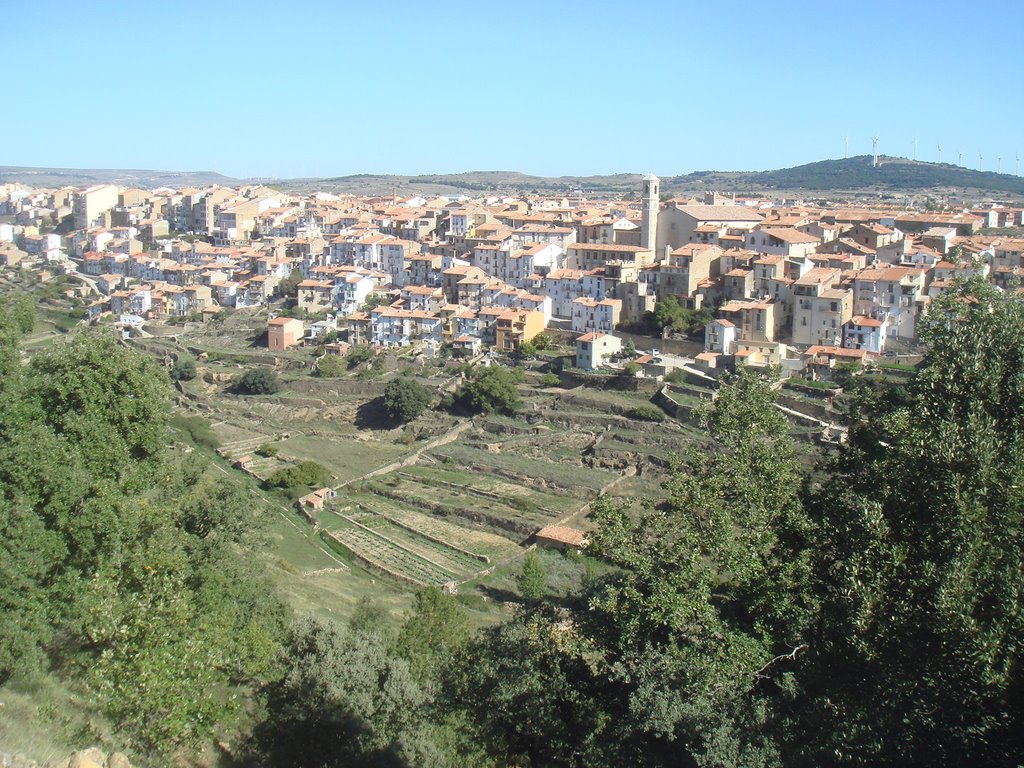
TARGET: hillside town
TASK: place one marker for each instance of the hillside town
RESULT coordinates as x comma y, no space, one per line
802,287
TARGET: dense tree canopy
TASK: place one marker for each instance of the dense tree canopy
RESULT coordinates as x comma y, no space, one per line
759,614
916,657
405,399
119,557
258,381
491,390
756,618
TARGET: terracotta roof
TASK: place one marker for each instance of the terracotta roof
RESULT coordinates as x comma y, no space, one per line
563,534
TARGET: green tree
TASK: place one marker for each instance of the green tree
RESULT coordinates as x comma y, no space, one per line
533,578
258,381
531,695
94,392
122,563
915,658
183,370
375,300
405,399
526,350
435,631
543,341
17,318
491,390
674,656
358,355
332,367
289,286
304,473
629,349
342,699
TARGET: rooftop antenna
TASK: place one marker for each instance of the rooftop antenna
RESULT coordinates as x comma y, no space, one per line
940,153
874,151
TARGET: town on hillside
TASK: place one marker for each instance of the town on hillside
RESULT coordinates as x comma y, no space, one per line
798,286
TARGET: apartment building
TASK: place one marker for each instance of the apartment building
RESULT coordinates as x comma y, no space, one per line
820,308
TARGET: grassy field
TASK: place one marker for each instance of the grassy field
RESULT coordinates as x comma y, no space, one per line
347,459
565,476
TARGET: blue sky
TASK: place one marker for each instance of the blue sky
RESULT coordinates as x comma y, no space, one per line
307,88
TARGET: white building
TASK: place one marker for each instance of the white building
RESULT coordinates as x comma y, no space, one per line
594,349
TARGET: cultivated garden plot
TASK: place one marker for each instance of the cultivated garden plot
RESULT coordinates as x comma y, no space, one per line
426,564
516,516
483,545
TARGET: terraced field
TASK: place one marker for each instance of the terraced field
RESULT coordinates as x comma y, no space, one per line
388,556
482,544
566,478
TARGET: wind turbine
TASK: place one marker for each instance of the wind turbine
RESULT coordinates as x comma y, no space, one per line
999,164
846,154
959,158
980,159
874,151
940,153
915,149
1016,166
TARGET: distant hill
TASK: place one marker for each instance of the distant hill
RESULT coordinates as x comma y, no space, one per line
80,177
854,176
473,183
894,174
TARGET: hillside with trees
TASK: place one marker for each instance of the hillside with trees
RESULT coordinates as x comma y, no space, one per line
867,612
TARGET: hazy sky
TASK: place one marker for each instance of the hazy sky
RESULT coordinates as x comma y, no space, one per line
305,88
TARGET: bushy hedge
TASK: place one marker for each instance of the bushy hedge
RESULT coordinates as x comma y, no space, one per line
646,413
303,473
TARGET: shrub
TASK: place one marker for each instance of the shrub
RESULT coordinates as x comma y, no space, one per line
543,341
198,430
258,381
646,413
550,380
267,451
